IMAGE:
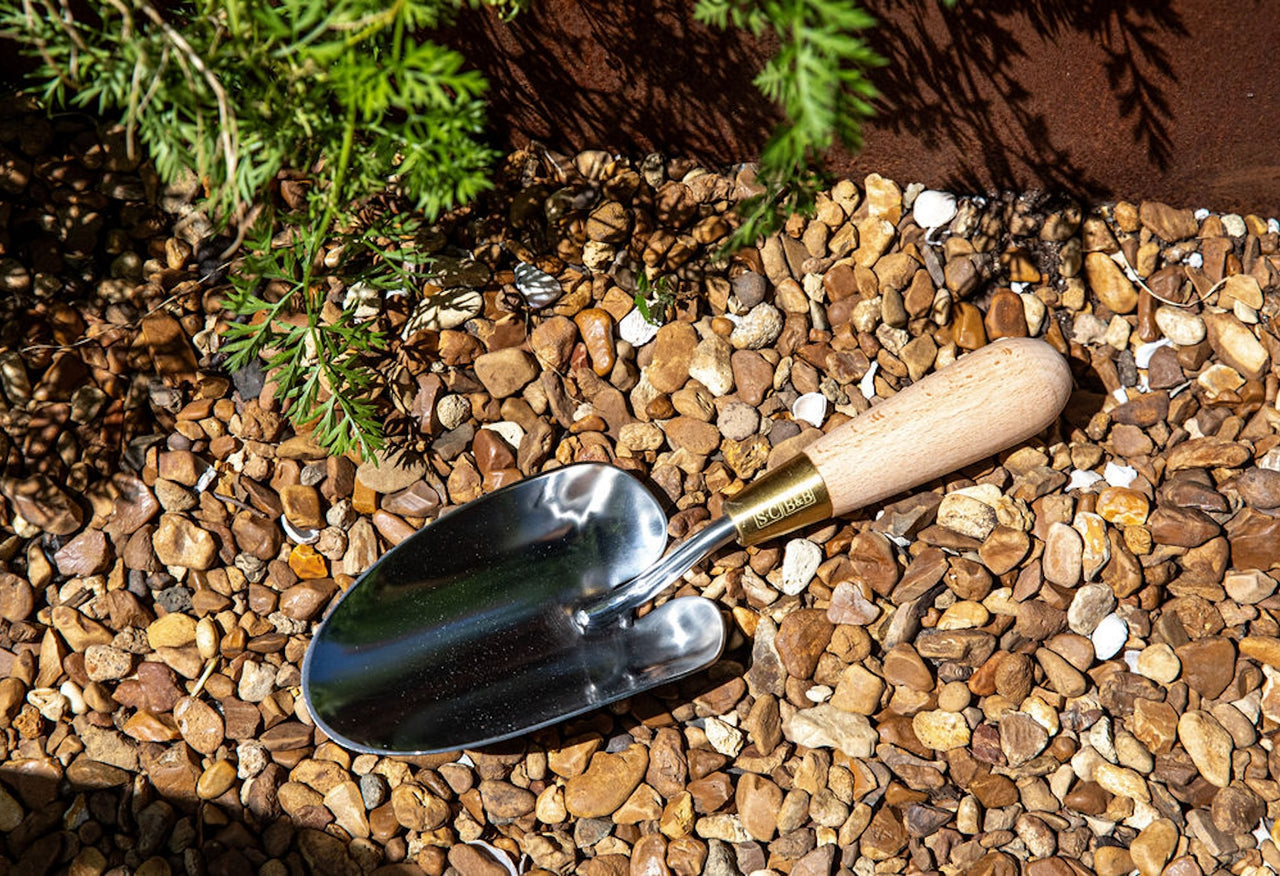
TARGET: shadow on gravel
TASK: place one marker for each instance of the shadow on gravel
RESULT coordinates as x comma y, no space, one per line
60,820
951,78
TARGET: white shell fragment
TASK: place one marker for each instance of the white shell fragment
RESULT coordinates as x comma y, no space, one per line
867,385
1083,480
538,287
207,477
1119,475
299,536
933,209
810,407
1142,355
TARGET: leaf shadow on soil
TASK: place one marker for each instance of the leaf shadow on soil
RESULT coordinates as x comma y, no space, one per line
956,76
641,77
581,74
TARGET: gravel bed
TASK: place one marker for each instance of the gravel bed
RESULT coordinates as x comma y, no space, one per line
1060,660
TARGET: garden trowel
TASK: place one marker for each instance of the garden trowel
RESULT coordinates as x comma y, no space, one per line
527,606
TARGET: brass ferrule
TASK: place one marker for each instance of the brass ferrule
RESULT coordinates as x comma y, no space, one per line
789,497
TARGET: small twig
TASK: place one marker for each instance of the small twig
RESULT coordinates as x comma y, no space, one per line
243,225
129,325
1129,271
232,500
204,676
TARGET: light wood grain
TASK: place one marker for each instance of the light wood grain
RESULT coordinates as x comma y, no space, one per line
988,400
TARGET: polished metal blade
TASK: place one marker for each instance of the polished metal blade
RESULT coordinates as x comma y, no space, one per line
464,633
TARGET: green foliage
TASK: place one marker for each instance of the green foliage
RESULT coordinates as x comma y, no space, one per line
653,295
819,80
237,91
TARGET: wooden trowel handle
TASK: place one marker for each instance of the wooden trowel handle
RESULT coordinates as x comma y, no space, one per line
986,401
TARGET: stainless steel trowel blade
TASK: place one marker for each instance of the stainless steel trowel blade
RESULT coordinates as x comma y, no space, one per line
463,634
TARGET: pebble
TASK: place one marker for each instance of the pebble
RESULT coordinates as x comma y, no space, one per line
800,562
1063,560
959,620
933,209
1154,845
1208,744
759,328
825,726
967,515
595,324
179,542
1180,326
607,782
941,730
1235,343
1108,281
505,372
1109,636
444,310
637,330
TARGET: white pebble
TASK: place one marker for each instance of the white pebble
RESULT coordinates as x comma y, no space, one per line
1082,480
867,385
1142,355
48,702
1273,225
1109,636
538,287
1131,659
1119,475
363,301
444,310
1233,224
1201,214
800,561
636,330
933,209
1195,260
810,407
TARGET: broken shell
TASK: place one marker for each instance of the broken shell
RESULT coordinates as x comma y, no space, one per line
299,536
810,407
1120,475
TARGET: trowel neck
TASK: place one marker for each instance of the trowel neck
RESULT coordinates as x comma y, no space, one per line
618,604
